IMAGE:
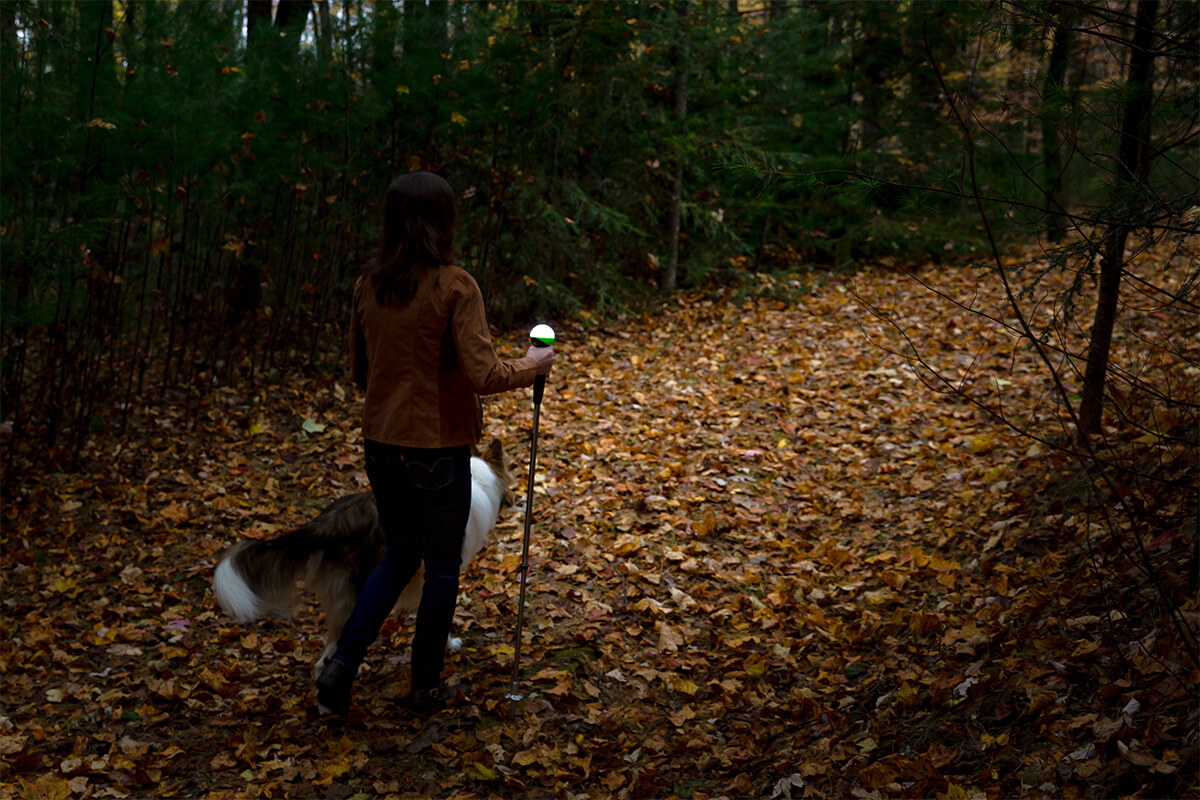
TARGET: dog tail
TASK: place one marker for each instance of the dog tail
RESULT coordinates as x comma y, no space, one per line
256,577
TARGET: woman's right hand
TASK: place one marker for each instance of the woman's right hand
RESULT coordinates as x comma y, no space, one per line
544,356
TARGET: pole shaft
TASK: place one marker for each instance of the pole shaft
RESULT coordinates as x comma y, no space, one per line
538,387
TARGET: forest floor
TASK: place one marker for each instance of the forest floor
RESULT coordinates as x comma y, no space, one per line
769,559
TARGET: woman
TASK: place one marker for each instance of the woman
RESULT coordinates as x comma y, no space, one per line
421,350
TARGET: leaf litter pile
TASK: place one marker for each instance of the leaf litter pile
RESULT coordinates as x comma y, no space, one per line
768,560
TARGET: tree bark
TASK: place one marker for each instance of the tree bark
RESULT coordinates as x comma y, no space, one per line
10,55
1053,97
1133,162
679,57
290,18
97,80
325,32
258,20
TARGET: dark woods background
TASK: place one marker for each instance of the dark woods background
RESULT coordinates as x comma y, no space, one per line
189,187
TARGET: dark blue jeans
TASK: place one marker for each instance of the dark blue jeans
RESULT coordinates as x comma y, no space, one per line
424,499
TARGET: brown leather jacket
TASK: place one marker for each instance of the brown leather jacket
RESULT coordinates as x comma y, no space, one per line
424,366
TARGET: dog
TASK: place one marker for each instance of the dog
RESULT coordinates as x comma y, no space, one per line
335,553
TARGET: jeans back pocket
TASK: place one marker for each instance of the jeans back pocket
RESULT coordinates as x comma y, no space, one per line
430,475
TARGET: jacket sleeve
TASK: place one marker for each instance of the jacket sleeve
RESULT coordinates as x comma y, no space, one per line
476,354
358,341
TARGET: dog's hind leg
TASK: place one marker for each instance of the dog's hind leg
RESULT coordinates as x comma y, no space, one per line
337,599
334,622
330,649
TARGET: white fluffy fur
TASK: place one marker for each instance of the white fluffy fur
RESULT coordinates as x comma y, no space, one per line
487,493
234,595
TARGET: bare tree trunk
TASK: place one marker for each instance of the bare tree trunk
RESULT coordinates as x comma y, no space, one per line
679,56
258,20
10,59
1053,96
97,79
290,18
1133,162
325,34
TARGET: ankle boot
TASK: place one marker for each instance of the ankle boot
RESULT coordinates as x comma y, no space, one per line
333,687
425,701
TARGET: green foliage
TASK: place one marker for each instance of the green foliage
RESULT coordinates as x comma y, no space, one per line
199,203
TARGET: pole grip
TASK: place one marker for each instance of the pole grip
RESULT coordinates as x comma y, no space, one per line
541,336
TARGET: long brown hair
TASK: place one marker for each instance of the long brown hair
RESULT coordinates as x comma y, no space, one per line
419,216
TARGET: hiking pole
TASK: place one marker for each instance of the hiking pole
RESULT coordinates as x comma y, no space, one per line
540,336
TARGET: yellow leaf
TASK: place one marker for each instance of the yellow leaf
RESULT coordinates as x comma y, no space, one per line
988,740
525,758
955,792
981,444
48,787
331,771
103,634
756,664
458,119
486,773
683,685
